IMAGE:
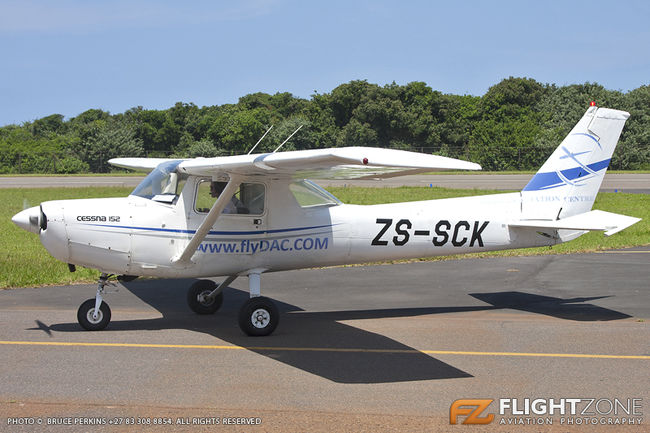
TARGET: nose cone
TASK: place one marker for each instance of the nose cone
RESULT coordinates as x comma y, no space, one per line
29,219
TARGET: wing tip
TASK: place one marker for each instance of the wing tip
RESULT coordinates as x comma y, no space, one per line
137,163
119,162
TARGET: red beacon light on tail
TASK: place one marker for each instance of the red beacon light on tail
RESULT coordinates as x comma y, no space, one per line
592,104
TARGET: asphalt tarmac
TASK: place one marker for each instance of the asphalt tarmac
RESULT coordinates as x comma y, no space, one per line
364,348
613,182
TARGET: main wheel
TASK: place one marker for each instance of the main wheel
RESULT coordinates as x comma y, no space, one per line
258,317
86,312
196,297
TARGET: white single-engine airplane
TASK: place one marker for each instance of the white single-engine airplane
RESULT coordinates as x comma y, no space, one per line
250,214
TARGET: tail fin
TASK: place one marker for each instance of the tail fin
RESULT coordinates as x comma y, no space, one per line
569,180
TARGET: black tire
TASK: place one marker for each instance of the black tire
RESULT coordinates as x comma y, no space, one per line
258,317
203,287
85,316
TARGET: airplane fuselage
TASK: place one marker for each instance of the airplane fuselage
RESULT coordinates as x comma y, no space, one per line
138,236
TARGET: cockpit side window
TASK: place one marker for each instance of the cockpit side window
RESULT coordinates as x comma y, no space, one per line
163,184
248,200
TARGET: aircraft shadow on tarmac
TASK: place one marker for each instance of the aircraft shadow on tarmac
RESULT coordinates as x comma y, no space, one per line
570,309
385,361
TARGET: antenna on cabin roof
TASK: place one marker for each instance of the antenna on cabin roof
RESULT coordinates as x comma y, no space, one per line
260,140
294,132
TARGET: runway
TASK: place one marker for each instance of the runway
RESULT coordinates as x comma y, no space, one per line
386,347
613,182
633,183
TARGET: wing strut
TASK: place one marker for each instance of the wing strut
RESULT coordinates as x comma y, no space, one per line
208,222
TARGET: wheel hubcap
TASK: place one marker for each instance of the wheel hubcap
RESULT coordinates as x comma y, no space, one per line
203,298
260,318
91,318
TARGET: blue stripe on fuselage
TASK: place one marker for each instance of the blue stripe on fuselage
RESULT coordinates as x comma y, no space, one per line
214,232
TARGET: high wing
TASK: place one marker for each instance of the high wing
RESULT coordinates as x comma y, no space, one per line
332,163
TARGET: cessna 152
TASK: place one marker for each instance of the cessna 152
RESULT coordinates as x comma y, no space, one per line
250,214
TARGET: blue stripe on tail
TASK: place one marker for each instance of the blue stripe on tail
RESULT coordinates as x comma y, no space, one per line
570,176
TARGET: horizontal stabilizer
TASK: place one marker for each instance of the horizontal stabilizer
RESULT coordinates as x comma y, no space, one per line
608,222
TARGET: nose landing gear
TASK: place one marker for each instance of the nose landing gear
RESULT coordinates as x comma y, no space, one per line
95,314
91,318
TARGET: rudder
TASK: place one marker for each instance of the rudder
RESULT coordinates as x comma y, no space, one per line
569,180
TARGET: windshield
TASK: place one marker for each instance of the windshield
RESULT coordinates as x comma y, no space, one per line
162,184
308,194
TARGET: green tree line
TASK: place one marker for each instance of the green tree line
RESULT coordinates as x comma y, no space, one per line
514,126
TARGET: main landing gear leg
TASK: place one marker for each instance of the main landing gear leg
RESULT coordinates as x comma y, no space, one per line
94,314
258,316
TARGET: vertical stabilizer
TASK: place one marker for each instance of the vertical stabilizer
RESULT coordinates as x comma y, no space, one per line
569,180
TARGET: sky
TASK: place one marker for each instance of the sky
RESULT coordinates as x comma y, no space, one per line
68,56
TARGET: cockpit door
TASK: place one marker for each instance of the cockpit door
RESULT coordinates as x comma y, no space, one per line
243,218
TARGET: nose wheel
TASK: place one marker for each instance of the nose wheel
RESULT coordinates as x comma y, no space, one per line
91,319
95,314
